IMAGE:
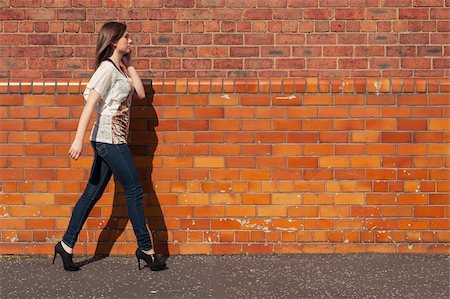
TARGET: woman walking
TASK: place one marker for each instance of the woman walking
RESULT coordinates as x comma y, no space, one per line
110,92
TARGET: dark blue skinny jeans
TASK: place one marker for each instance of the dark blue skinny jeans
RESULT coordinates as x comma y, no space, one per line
111,159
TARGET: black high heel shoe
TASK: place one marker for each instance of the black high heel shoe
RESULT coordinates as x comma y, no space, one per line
153,261
66,258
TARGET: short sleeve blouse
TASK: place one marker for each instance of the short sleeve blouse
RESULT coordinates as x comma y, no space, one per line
113,109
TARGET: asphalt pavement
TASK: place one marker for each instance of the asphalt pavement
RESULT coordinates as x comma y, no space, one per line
232,276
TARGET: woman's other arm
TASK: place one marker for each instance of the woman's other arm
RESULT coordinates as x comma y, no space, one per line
77,145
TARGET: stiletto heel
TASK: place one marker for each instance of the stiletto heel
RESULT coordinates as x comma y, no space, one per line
66,258
139,263
154,262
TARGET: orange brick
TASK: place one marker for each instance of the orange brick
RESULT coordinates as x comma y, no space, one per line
11,124
444,237
380,99
333,162
335,236
226,248
257,248
365,137
348,186
303,211
317,199
411,99
21,112
286,150
225,224
210,162
439,224
40,199
439,199
193,248
188,174
349,174
429,211
382,237
350,248
381,124
256,125
380,224
192,99
255,174
344,198
317,99
366,162
319,174
193,198
365,211
55,211
439,99
24,211
320,224
285,124
288,248
40,223
412,224
412,174
257,236
285,198
302,112
40,150
22,162
317,125
348,125
194,224
50,162
224,174
178,211
381,174
225,150
9,100
334,211
225,199
318,248
240,211
287,225
412,199
271,211
349,99
38,100
381,149
333,112
397,211
364,112
255,199
255,100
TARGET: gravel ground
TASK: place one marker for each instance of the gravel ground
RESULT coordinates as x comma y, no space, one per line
232,276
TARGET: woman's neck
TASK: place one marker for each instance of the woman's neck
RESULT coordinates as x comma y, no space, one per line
116,59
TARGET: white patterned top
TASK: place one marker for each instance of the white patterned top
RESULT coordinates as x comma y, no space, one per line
113,109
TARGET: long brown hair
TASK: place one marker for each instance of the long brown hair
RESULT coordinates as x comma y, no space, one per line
110,33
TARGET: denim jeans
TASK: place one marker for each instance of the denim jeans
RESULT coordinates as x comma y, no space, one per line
111,159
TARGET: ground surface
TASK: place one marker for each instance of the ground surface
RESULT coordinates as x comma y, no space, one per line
233,276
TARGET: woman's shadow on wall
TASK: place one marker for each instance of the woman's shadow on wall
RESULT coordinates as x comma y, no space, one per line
143,142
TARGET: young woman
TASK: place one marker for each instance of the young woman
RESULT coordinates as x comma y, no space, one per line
109,92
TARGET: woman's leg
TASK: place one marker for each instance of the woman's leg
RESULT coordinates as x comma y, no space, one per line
120,161
99,178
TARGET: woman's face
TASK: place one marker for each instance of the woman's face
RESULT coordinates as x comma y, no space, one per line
124,44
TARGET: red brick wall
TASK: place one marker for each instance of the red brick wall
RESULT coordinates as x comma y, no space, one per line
250,38
235,166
